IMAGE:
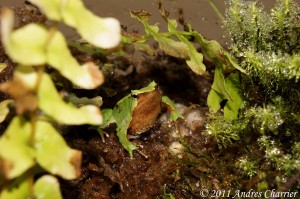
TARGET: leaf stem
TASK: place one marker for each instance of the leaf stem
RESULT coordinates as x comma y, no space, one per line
217,11
33,121
31,184
34,114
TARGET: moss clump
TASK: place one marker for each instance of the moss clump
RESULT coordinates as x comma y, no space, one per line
267,46
226,131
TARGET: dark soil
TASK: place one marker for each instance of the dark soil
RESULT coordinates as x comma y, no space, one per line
107,169
154,170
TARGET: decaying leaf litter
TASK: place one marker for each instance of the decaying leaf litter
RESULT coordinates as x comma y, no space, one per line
171,157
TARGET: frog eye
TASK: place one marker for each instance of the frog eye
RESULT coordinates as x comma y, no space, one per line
135,96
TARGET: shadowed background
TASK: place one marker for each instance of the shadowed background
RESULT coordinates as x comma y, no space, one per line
197,12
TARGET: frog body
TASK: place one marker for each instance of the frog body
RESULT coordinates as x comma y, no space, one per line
146,112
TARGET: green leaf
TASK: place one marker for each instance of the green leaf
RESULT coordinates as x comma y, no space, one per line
85,47
47,187
16,156
226,89
4,110
18,189
214,51
146,89
81,101
123,114
25,42
195,61
53,153
213,101
169,46
180,49
185,49
102,32
2,66
35,45
108,117
174,111
232,107
219,83
87,76
51,103
143,47
173,48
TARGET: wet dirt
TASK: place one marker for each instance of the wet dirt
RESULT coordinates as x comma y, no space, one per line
160,165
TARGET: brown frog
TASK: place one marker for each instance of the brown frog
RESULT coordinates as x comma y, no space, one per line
146,112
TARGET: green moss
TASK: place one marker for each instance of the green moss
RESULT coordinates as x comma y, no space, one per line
267,46
225,131
247,166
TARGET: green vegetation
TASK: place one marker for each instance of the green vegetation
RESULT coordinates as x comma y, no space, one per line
31,145
266,46
253,102
123,112
223,88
